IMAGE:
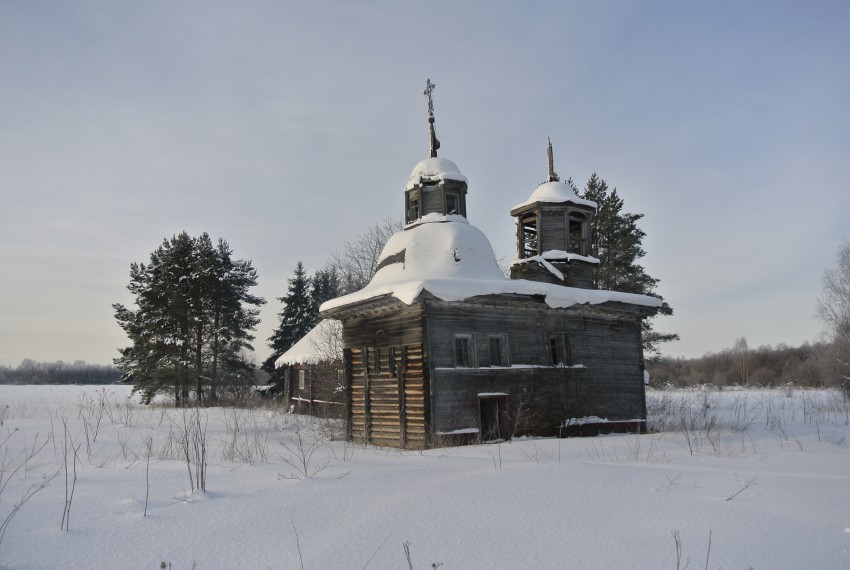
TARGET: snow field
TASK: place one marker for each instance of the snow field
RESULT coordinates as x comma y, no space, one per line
767,473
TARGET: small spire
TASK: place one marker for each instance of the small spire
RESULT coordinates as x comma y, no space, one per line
553,176
435,144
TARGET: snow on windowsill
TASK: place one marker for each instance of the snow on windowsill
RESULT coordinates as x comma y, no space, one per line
586,420
511,367
463,431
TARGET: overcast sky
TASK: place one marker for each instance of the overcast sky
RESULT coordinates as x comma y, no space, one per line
289,128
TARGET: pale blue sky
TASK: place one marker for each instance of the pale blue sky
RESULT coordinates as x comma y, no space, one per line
287,128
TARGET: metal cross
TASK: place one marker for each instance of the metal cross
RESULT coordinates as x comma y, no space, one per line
429,89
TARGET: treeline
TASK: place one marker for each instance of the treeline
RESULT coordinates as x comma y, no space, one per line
32,372
809,365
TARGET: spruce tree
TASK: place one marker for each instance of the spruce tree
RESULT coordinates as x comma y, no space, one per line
325,286
618,244
296,318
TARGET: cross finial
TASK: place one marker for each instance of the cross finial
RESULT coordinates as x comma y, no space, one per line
553,176
429,89
435,144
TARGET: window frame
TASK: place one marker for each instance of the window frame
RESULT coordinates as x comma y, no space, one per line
376,362
504,350
471,360
577,240
529,235
456,198
413,210
560,352
391,364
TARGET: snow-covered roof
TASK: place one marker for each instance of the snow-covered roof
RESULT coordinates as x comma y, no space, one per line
434,169
316,346
547,257
555,193
453,260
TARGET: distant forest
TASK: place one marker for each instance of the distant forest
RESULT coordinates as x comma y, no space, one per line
32,372
809,365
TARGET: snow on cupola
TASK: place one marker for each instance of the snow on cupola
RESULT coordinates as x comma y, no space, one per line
440,253
436,185
553,234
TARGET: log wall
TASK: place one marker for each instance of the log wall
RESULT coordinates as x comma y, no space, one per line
405,389
603,375
387,400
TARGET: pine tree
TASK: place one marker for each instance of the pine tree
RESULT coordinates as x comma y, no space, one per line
618,244
296,318
230,319
193,312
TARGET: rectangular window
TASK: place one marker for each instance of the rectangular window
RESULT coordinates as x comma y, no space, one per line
376,362
577,243
464,351
412,210
498,348
559,349
452,204
528,233
391,360
302,379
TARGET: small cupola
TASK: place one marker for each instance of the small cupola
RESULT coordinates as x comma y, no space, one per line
553,235
436,185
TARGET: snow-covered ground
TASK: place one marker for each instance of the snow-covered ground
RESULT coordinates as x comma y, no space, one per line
745,479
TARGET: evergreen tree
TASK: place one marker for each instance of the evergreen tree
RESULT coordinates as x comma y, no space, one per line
618,244
193,312
296,319
230,319
325,286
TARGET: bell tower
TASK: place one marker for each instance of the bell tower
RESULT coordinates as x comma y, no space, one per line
553,235
436,185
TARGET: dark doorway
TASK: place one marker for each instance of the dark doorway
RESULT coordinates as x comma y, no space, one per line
492,418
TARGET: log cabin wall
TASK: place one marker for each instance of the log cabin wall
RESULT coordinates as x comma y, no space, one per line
388,382
552,228
432,199
317,389
611,346
599,370
576,273
533,366
534,271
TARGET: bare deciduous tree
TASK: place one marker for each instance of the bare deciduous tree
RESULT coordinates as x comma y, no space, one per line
834,308
327,341
742,359
357,262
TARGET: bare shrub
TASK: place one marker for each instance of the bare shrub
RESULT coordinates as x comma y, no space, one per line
70,481
246,439
192,436
299,455
17,466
